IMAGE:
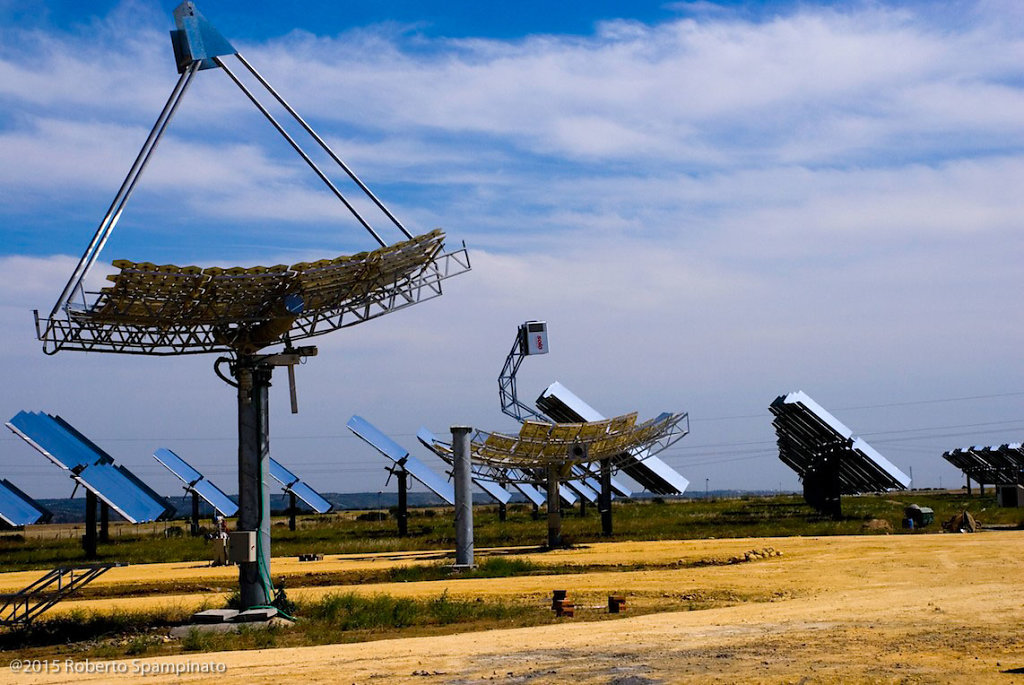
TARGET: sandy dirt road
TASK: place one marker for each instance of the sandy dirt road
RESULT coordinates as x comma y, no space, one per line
922,608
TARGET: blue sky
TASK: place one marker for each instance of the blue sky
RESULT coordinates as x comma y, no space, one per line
710,203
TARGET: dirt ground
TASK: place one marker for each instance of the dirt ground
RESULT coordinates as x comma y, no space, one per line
907,608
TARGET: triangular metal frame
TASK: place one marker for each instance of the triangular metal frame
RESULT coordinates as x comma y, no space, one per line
197,46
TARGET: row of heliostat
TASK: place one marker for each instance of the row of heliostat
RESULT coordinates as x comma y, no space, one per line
114,485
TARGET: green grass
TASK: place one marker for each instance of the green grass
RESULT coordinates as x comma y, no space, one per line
777,516
110,634
348,617
332,619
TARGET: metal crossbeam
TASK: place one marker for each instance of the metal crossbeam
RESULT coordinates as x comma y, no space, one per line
85,334
24,606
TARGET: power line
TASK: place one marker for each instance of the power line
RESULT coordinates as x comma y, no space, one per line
967,398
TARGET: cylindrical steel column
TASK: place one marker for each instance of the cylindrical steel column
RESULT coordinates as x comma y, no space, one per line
554,509
253,468
403,502
463,496
293,508
194,528
104,522
606,497
89,539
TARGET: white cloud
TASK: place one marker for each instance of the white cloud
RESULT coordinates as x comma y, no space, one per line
709,212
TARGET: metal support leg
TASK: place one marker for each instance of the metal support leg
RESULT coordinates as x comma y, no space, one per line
535,514
292,508
502,512
194,528
89,539
554,510
253,466
606,497
104,522
403,502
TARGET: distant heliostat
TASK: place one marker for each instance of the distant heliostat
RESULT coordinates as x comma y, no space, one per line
825,454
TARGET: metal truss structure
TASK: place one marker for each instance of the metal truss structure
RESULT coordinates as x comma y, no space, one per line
825,454
565,407
23,607
510,403
539,445
994,464
171,310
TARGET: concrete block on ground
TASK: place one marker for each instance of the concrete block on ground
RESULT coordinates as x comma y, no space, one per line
214,616
254,615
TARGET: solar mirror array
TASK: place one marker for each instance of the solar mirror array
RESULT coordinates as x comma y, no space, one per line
557,403
401,458
164,309
617,446
293,485
18,509
518,479
556,448
196,485
651,472
999,465
404,466
92,468
829,460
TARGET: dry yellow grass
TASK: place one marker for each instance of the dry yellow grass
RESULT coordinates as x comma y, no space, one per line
924,608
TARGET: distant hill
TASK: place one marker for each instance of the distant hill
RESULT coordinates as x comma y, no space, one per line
73,510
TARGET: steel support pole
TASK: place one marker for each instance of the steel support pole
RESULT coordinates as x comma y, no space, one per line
194,528
554,509
292,507
253,381
403,502
89,539
502,512
463,497
104,522
606,497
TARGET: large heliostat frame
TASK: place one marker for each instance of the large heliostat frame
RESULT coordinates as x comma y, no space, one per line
829,459
152,309
1002,466
556,448
558,404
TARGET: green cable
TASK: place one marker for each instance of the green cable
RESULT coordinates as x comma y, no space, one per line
279,612
268,584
